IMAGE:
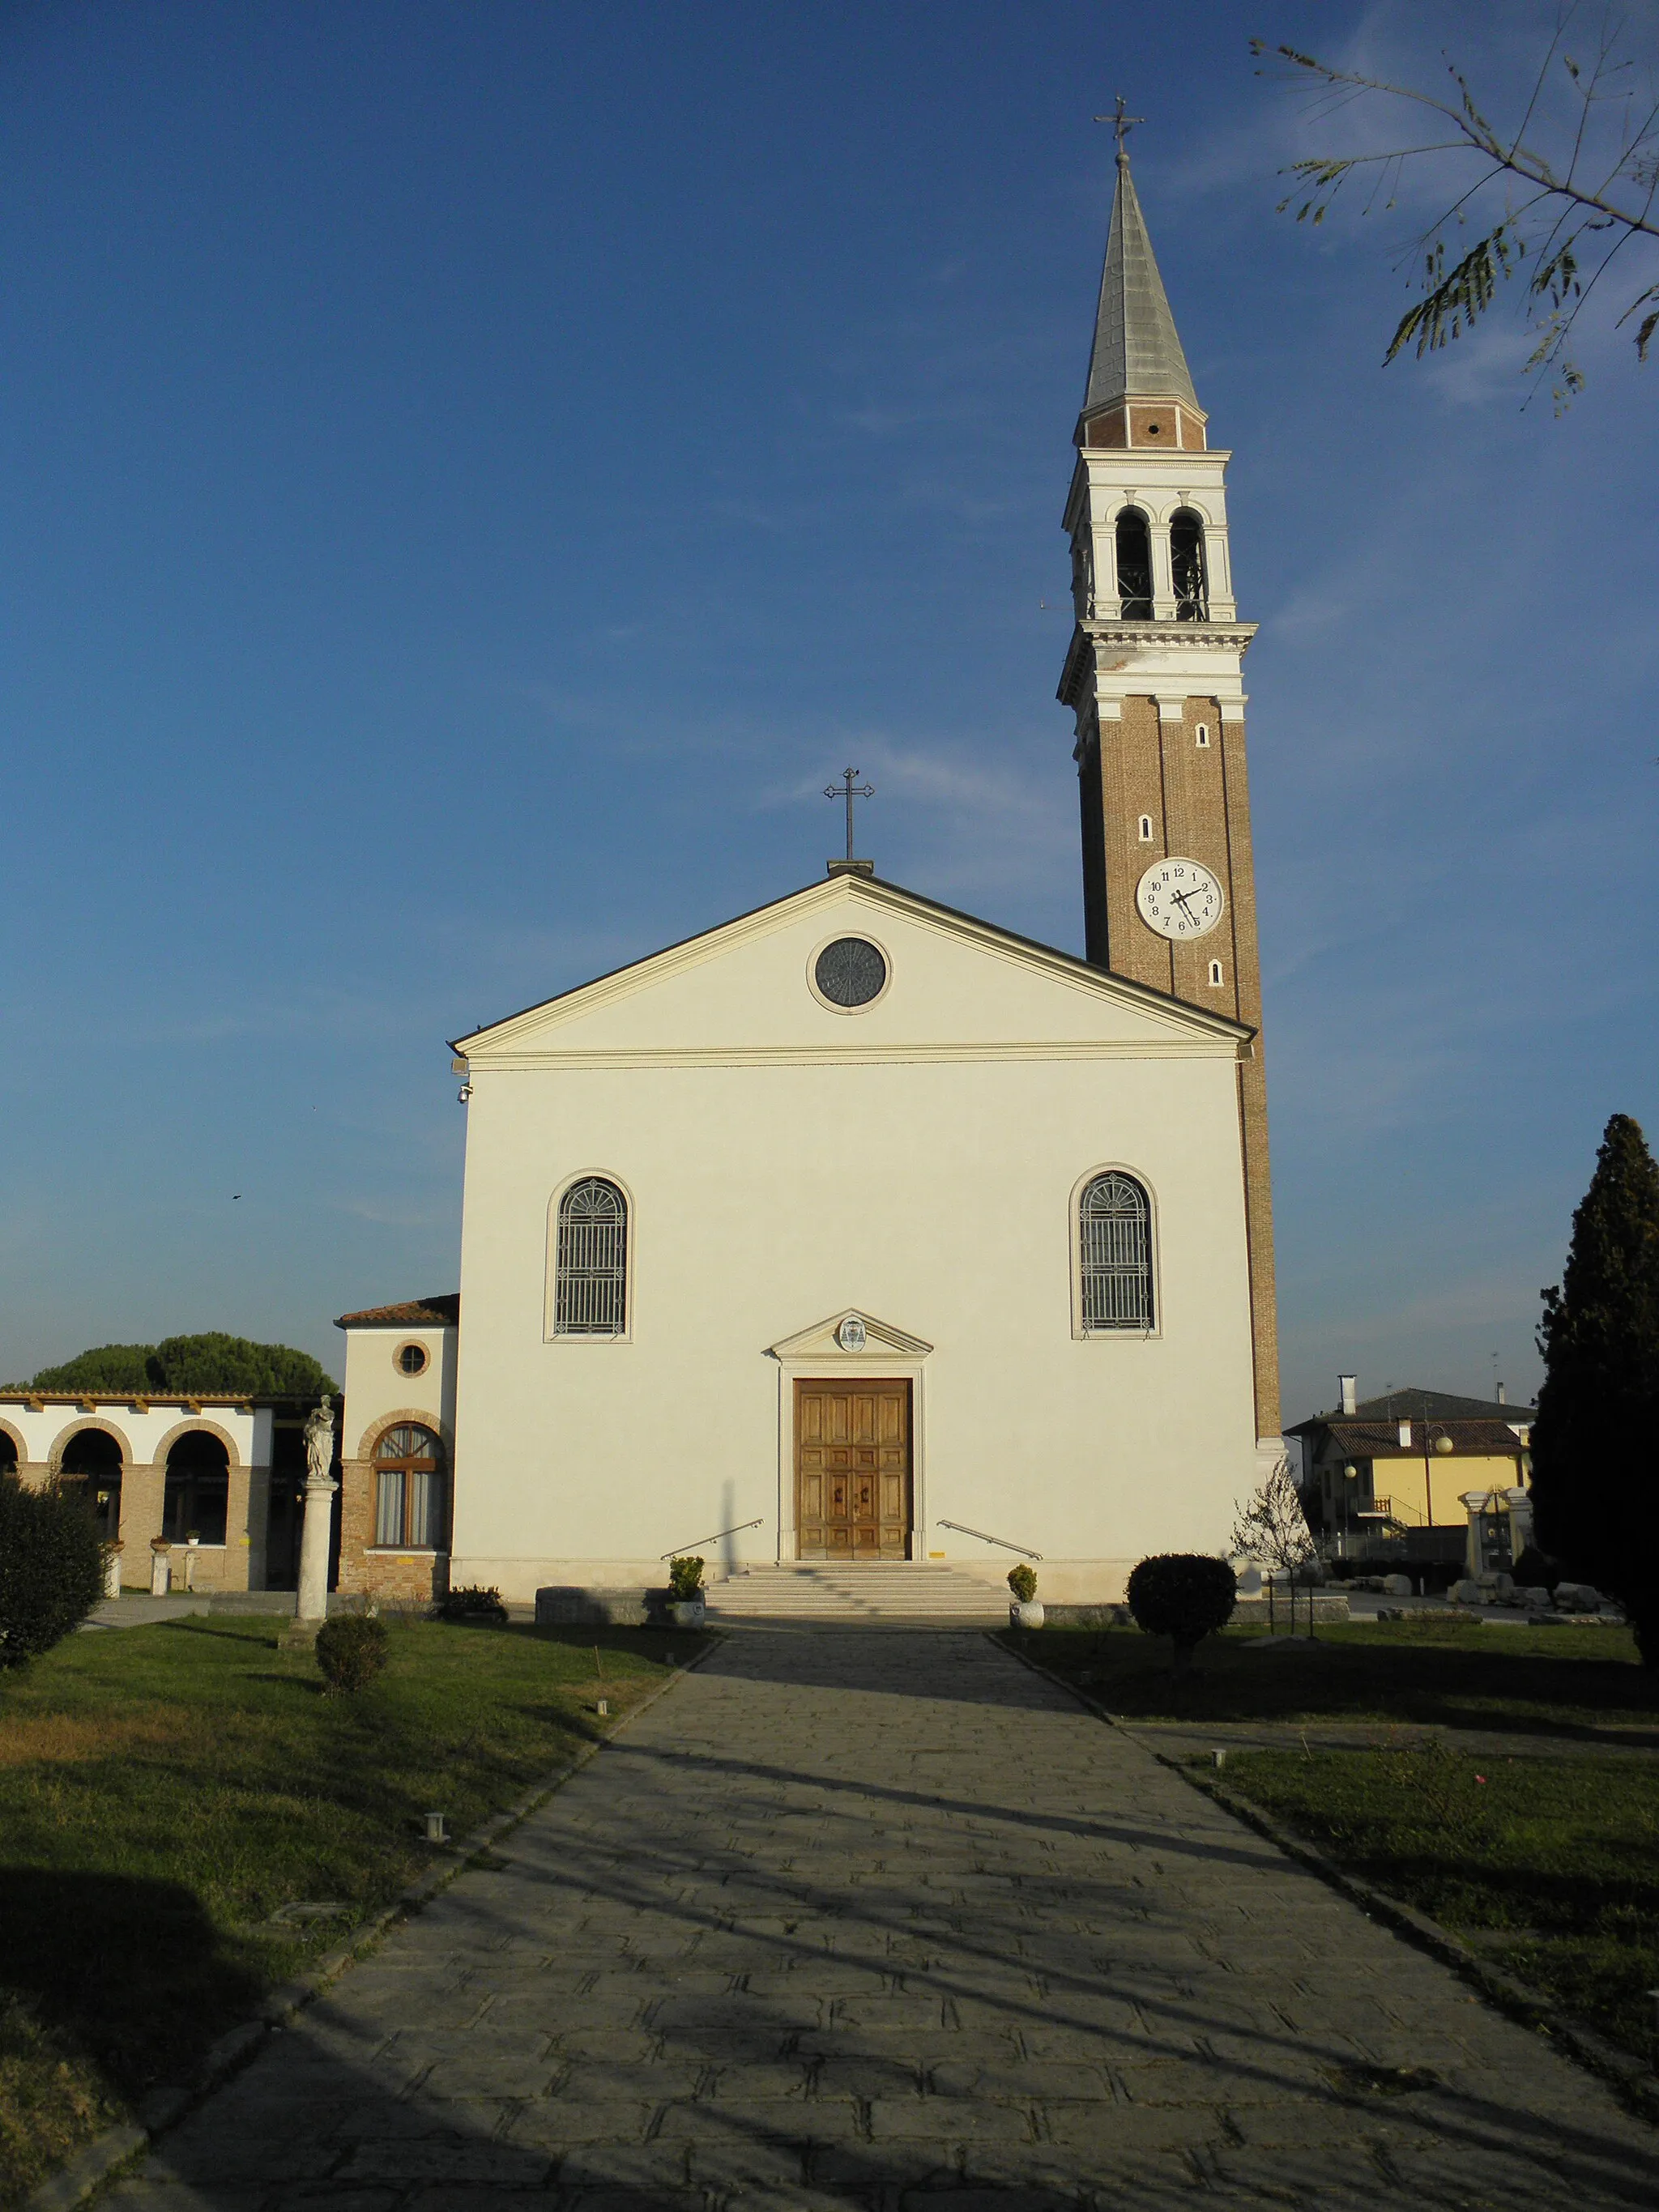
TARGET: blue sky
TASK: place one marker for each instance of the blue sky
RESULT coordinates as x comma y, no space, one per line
473,472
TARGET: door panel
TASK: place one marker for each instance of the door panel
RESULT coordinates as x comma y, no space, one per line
853,1471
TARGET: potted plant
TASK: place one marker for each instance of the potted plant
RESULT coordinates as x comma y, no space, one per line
1026,1611
685,1592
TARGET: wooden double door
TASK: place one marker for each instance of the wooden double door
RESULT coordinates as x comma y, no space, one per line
853,1470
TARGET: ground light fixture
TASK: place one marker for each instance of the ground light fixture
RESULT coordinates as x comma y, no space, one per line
436,1831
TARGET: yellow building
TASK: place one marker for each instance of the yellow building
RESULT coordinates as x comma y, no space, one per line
1388,1476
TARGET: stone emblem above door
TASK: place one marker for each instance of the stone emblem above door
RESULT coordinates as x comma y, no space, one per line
850,1334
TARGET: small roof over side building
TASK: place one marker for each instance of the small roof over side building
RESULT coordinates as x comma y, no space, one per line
443,1311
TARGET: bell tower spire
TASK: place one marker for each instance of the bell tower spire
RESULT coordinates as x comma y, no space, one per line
1154,678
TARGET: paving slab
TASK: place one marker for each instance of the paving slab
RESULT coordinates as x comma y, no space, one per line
887,1921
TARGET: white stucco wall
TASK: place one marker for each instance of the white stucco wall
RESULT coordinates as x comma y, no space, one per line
376,1388
42,1436
918,1162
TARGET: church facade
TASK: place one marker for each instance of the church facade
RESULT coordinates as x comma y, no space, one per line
858,1229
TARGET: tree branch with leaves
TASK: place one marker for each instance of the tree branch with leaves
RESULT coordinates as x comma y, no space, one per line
1575,181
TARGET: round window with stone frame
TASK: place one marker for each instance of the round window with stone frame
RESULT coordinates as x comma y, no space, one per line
412,1359
850,972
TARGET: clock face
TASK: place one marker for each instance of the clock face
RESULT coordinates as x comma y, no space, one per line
1179,898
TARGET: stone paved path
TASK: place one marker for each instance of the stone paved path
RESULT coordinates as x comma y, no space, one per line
849,1919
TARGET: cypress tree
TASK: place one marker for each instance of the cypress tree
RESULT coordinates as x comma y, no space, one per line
1595,1442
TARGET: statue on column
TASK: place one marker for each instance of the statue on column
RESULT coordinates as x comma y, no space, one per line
321,1487
319,1442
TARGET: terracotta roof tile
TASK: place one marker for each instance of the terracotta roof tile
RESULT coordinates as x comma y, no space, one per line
443,1311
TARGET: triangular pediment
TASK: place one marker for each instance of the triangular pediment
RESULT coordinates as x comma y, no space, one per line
958,987
850,1334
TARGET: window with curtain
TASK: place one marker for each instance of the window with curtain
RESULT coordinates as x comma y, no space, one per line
1114,1236
590,1287
409,1489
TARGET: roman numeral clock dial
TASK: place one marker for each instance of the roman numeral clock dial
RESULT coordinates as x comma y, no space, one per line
1179,898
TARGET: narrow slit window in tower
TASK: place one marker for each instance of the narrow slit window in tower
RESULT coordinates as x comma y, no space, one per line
1145,828
1186,568
1215,971
1203,735
1135,566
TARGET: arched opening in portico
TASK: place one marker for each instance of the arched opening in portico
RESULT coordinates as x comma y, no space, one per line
91,1468
197,1489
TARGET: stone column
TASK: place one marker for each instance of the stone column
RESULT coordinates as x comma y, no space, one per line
313,1547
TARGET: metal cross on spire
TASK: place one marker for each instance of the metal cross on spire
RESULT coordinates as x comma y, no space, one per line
1121,124
849,788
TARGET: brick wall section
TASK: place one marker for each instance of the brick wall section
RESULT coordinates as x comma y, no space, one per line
1177,423
1198,798
1252,1083
399,1577
1131,785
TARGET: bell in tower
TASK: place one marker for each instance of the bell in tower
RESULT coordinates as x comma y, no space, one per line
1154,676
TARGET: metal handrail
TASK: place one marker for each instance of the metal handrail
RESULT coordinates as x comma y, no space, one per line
962,1529
680,1550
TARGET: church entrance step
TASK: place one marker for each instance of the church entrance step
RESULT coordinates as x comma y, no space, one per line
854,1589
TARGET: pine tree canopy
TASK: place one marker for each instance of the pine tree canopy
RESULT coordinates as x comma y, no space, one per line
1595,1443
211,1362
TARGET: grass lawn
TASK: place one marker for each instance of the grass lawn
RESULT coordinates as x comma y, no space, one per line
1430,1670
1547,1865
164,1791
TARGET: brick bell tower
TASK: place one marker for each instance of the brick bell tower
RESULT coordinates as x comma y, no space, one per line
1154,676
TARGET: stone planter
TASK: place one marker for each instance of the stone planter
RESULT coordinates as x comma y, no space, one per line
1025,1612
687,1611
113,1570
161,1567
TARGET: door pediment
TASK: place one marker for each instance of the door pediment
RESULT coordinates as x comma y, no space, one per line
848,1336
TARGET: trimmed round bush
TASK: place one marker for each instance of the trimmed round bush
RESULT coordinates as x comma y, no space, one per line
351,1650
685,1579
472,1603
1022,1580
1185,1596
51,1569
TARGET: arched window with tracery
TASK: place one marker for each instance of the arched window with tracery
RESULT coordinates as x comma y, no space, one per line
1115,1250
590,1266
1187,570
409,1489
1135,566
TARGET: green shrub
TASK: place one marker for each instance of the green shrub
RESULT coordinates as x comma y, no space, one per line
472,1603
685,1579
1022,1580
51,1569
351,1650
1184,1595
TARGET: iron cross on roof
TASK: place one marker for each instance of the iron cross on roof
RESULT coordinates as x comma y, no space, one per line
849,789
1122,125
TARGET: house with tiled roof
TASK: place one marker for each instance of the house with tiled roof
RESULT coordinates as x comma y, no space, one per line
1388,1477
